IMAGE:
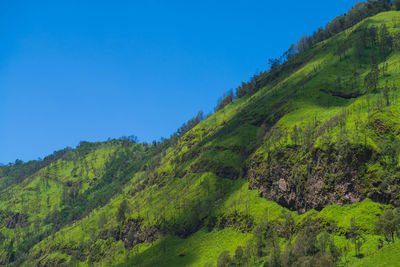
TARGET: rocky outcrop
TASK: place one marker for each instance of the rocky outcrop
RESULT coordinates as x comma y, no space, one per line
132,232
302,181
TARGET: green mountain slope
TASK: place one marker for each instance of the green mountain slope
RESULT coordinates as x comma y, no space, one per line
297,172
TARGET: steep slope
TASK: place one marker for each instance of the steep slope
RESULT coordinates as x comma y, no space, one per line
337,144
67,189
320,131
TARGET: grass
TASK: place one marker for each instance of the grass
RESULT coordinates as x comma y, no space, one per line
197,250
387,256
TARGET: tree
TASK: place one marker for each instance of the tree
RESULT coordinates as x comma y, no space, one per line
304,43
359,49
341,50
308,136
188,125
18,162
371,79
295,135
239,259
102,220
376,6
354,233
276,255
385,41
323,241
372,34
261,132
333,249
260,237
226,99
338,83
388,224
224,259
274,63
247,88
290,53
288,224
386,93
355,79
122,209
264,236
396,41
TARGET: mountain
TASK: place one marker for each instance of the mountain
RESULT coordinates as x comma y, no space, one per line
300,167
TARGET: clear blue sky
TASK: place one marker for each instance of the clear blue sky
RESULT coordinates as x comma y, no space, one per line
89,70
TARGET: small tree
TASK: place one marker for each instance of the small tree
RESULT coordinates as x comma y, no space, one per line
354,233
122,209
359,49
224,259
372,34
247,88
226,99
385,41
102,220
396,41
261,132
290,53
276,255
295,135
260,237
306,242
308,136
341,50
304,43
386,93
288,225
274,63
323,241
371,80
388,224
239,259
334,250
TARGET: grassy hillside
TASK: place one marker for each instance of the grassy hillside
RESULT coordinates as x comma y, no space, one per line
297,172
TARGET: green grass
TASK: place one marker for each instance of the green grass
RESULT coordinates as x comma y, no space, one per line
197,250
386,256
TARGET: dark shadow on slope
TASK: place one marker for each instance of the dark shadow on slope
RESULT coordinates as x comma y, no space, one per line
344,95
165,253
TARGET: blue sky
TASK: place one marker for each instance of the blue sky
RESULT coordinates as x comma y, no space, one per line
89,70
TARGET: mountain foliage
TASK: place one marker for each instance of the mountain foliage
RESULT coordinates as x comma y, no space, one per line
298,167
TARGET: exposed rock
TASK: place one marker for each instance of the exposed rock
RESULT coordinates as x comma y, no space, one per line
282,184
301,182
132,233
